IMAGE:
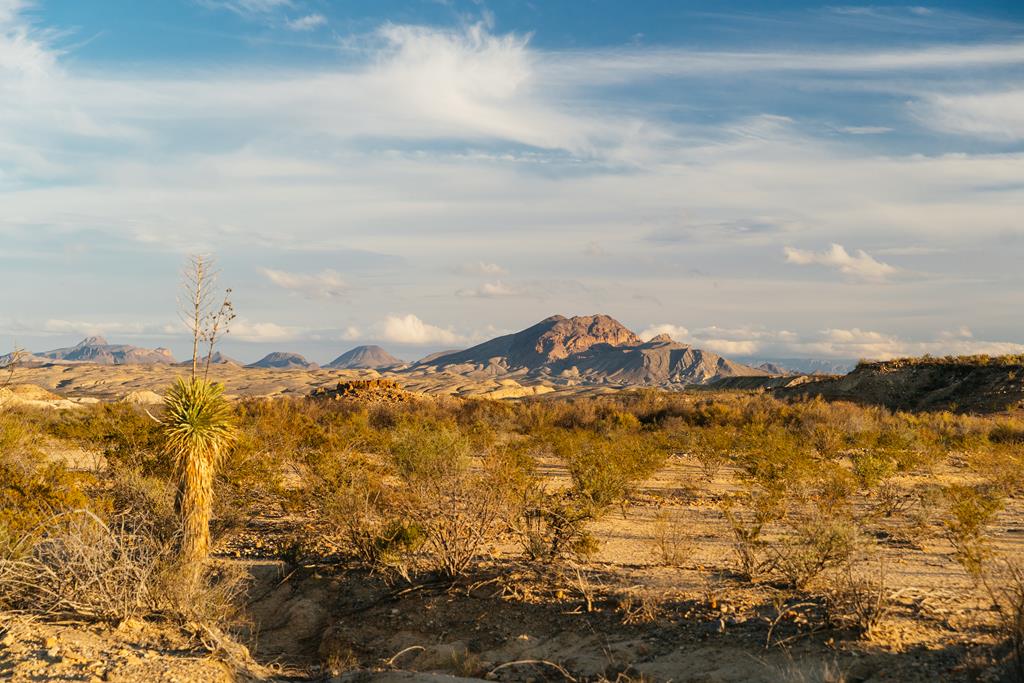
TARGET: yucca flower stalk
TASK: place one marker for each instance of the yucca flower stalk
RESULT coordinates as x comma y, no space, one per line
198,428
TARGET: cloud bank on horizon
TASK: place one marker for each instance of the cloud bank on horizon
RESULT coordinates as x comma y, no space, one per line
813,179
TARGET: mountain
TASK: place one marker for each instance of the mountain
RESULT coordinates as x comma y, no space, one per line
218,359
774,369
551,339
804,366
361,357
593,349
282,360
98,350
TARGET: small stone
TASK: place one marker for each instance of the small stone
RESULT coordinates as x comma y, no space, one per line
49,642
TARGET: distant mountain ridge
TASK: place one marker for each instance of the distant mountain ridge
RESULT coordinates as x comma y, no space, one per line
98,350
594,349
283,360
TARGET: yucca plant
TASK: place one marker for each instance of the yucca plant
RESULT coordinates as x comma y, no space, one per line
199,427
198,422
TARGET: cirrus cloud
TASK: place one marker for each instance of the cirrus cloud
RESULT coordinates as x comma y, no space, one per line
326,284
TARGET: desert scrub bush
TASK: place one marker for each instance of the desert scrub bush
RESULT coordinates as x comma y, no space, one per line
31,490
860,600
1005,587
748,515
671,543
605,468
84,567
554,525
775,458
459,502
125,434
712,446
970,510
1001,464
817,541
872,467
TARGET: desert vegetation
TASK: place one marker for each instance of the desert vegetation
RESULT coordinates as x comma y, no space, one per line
780,524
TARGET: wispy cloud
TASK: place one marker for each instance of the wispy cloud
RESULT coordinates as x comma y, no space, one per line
247,8
491,290
480,268
323,285
859,265
865,130
307,23
997,115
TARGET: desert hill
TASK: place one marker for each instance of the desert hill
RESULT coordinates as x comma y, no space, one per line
281,360
217,359
365,357
594,349
962,384
98,350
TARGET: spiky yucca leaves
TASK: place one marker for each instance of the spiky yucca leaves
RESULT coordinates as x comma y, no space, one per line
199,427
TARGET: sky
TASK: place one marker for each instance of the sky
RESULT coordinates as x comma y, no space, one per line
774,179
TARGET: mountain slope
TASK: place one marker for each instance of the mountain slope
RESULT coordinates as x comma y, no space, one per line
98,350
592,349
283,360
364,357
549,340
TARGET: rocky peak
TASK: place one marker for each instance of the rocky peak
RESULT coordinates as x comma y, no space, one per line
93,341
566,336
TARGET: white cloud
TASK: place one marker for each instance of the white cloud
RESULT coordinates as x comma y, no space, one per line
323,285
490,290
865,130
861,265
89,328
245,330
677,332
997,115
307,23
727,342
857,343
480,268
409,329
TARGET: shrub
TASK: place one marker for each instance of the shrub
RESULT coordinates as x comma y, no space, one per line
671,543
818,541
872,467
82,566
970,510
31,492
860,600
712,447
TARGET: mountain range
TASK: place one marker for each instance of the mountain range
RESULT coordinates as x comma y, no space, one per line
579,350
594,349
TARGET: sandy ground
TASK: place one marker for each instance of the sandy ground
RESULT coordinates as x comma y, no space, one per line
624,615
115,382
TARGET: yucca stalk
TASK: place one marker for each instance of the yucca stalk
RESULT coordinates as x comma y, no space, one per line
198,427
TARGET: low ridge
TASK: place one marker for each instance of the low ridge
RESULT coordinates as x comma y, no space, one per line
97,350
283,360
369,357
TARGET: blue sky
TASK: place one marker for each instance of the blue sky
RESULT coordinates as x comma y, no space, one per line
774,179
